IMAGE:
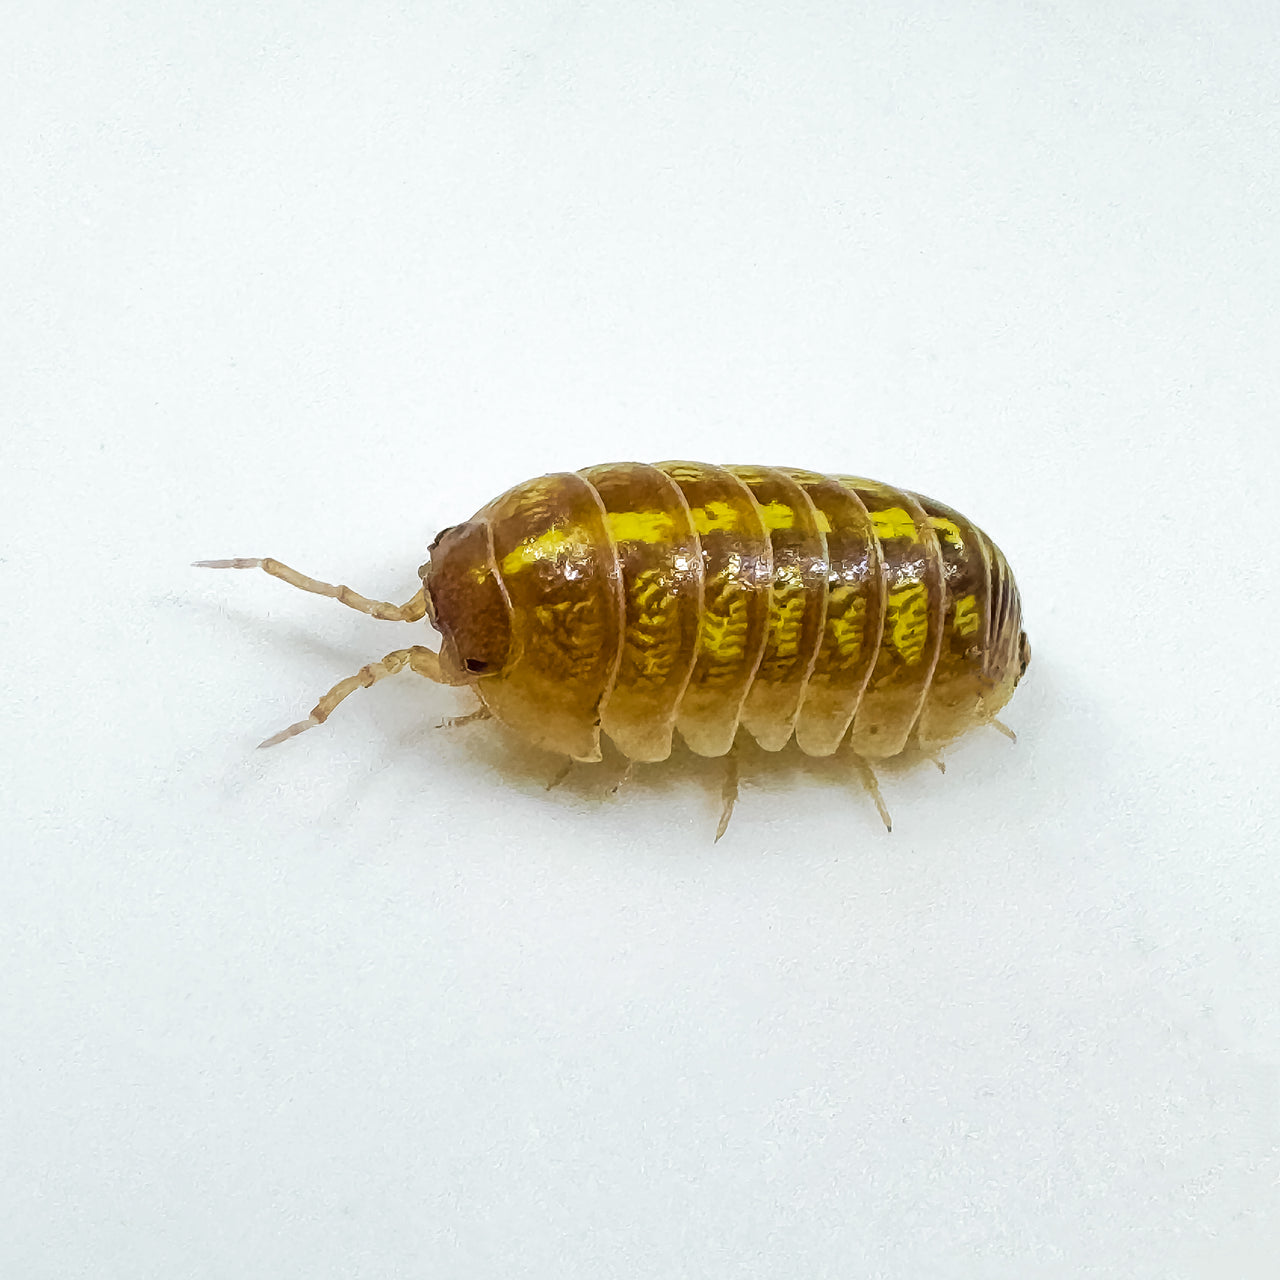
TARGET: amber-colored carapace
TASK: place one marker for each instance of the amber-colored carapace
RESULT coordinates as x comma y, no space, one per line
644,601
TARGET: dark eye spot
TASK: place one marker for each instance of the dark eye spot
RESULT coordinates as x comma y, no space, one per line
476,666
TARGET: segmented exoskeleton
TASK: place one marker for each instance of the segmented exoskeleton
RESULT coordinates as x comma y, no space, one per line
640,600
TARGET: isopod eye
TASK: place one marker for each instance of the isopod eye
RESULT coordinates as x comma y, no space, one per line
477,666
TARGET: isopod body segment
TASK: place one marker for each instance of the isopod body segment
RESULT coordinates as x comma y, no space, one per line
643,601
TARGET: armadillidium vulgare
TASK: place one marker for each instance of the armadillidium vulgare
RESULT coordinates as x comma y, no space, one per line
637,601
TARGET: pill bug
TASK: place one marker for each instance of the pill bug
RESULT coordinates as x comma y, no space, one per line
638,601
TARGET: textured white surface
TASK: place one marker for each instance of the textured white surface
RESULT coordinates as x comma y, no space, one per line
314,280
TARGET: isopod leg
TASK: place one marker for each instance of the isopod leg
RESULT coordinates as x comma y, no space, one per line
456,722
728,792
1003,728
869,780
418,658
411,611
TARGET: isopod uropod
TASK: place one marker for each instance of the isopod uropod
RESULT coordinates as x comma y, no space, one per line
638,600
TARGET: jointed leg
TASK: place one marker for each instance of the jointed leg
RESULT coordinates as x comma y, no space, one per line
1004,728
418,658
871,783
411,611
623,778
456,722
728,792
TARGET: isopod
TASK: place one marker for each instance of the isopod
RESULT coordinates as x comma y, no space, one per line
637,601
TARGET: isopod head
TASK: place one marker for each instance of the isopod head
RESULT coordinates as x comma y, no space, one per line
467,604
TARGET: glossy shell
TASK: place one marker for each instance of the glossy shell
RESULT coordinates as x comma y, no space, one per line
644,600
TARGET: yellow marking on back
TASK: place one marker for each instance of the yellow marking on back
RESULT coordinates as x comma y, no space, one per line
949,530
906,622
782,515
640,526
966,619
778,514
893,522
546,546
717,515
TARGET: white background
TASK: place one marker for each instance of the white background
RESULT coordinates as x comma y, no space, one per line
315,280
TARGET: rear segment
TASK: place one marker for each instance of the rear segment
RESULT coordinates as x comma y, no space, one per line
1007,652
